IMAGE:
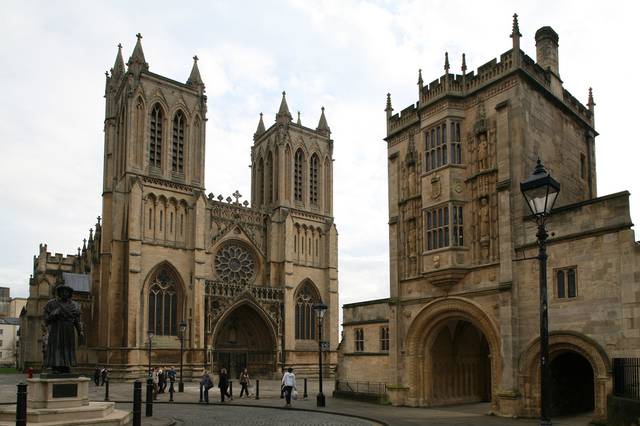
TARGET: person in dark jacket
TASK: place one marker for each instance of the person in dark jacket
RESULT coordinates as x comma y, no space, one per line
104,375
206,384
96,376
223,384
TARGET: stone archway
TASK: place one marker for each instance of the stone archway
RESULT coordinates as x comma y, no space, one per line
244,338
445,325
581,349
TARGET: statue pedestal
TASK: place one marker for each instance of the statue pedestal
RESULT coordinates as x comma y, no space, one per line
64,400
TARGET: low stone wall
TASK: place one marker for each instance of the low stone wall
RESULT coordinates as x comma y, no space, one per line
622,411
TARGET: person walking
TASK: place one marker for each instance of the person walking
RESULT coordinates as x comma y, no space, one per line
244,383
155,379
162,379
206,384
223,384
104,375
289,384
171,375
96,376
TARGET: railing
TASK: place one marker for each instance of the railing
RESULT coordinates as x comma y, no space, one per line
626,377
368,388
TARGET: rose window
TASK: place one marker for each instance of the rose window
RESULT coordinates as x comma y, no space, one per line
235,265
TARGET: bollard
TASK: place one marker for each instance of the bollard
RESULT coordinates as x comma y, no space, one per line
149,404
230,389
137,402
171,392
201,388
106,390
257,388
21,406
29,373
305,395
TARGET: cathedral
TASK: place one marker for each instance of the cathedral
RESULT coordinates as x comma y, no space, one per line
462,320
233,282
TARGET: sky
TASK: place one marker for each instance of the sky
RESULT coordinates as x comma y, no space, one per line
344,55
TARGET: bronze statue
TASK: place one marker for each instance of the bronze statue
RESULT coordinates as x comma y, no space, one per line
62,319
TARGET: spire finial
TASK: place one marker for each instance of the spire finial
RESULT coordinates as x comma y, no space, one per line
194,78
118,66
590,102
323,126
388,108
420,81
139,36
464,64
137,61
515,28
283,115
446,62
299,123
260,130
119,46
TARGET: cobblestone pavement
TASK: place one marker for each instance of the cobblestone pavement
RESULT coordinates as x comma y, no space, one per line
269,408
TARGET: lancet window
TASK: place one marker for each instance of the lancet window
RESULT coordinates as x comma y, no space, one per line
306,297
177,154
155,137
163,304
313,180
298,179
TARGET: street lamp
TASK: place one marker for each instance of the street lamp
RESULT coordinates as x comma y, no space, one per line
183,328
150,335
540,191
320,309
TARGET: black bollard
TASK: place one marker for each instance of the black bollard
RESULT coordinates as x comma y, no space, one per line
137,403
257,388
21,407
305,395
106,390
149,402
231,389
201,389
171,392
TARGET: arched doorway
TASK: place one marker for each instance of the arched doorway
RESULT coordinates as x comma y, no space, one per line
461,364
244,340
452,355
572,384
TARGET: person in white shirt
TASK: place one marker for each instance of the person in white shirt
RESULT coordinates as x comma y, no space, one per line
289,384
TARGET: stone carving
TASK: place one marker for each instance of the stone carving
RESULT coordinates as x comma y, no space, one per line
483,152
484,225
436,188
235,264
62,318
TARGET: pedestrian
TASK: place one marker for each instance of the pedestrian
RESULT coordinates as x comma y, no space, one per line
244,383
206,384
96,376
289,385
104,375
223,384
155,379
162,380
171,374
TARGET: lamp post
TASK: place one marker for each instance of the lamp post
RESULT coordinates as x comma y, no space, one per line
183,328
150,335
540,191
320,309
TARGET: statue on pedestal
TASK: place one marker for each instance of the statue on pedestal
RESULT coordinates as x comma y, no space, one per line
62,319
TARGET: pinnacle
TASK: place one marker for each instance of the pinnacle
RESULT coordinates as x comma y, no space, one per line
388,108
322,124
260,130
446,62
118,66
515,29
283,113
194,78
137,59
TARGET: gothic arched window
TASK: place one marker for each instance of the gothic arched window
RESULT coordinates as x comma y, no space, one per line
313,180
177,154
155,138
306,297
163,304
268,180
298,178
259,183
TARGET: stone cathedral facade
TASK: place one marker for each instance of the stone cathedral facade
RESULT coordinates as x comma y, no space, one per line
242,278
462,321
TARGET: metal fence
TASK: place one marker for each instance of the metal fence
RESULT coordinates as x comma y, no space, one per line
626,377
369,388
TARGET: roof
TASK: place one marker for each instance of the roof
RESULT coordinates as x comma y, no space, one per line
78,282
10,321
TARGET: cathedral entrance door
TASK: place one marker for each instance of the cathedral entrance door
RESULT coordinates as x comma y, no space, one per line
460,364
245,340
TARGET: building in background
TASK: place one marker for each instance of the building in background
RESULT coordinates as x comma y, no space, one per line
242,279
462,321
9,327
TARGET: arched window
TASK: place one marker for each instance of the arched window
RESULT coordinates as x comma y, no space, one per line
155,135
268,180
298,178
313,180
163,304
177,154
287,173
259,183
305,316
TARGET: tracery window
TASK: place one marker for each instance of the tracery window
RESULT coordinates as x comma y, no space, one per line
384,338
444,226
298,178
163,304
177,157
305,316
155,137
313,180
235,264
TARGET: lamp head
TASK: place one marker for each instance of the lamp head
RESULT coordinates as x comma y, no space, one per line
320,309
540,191
183,326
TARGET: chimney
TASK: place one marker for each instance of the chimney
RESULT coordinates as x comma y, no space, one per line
547,49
